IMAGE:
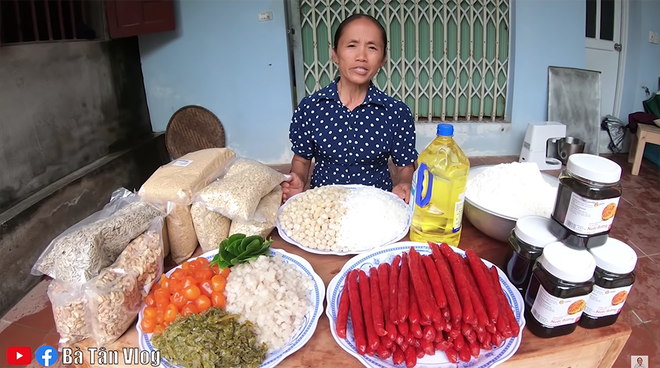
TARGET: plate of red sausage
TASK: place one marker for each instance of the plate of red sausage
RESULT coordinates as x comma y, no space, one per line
413,304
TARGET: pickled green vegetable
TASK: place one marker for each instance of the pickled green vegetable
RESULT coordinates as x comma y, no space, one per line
239,248
211,339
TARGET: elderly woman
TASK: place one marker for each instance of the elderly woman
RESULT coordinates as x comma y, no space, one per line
351,128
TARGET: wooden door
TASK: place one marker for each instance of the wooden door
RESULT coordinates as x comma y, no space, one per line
135,17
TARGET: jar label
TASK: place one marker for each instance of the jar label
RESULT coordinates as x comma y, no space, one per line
606,302
552,311
588,216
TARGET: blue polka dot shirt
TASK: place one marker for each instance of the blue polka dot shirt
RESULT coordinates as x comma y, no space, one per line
353,147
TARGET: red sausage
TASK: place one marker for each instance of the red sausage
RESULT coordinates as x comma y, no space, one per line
428,333
480,272
476,298
452,355
448,284
398,357
365,297
428,347
394,288
423,301
508,312
413,314
384,284
411,357
342,313
404,292
461,283
376,302
356,313
436,283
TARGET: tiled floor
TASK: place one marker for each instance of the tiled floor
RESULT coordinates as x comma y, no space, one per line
31,323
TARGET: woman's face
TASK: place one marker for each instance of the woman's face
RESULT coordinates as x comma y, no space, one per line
639,360
360,51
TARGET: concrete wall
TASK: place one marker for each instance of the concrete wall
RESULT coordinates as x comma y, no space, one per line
63,106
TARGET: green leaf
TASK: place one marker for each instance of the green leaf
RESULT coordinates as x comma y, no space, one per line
239,248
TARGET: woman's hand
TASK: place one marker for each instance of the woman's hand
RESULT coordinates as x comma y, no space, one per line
292,186
403,191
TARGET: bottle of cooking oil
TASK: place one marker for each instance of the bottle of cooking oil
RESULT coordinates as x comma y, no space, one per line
438,190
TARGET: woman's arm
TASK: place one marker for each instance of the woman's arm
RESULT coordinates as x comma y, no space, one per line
300,166
299,175
403,186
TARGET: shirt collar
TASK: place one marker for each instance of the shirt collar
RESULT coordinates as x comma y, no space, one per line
374,95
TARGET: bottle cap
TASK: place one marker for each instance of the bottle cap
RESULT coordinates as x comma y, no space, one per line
445,130
594,168
568,264
535,231
615,256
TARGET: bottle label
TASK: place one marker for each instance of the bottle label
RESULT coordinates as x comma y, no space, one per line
552,311
588,216
458,213
606,302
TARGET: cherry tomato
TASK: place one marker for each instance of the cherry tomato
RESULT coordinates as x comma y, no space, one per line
161,295
185,266
224,272
178,299
164,282
160,317
218,282
203,262
215,269
148,325
203,303
188,281
175,285
192,292
159,329
179,274
218,299
170,313
206,288
203,274
150,300
149,312
189,308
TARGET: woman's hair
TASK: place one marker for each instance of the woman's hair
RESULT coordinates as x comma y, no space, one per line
356,16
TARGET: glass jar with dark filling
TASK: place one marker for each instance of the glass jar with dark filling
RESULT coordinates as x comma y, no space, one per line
558,290
613,279
527,240
587,200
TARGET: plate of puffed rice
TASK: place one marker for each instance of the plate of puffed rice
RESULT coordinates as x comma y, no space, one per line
343,219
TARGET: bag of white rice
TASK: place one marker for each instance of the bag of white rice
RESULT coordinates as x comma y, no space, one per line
237,194
181,179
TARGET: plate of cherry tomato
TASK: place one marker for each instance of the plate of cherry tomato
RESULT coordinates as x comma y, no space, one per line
193,287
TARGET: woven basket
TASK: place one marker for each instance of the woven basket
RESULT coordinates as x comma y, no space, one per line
192,128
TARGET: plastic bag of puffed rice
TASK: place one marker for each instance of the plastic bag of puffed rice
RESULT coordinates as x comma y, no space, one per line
114,298
265,217
238,192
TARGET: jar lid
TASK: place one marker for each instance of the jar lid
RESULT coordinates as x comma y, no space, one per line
568,264
615,256
535,230
594,168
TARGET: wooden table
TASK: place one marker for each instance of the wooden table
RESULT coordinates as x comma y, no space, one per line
584,348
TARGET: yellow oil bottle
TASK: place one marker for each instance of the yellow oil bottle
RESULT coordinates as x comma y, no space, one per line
438,190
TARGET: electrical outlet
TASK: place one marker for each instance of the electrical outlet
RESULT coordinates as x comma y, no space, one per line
265,16
653,37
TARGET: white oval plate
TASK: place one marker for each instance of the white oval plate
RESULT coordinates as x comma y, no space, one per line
288,239
300,338
486,359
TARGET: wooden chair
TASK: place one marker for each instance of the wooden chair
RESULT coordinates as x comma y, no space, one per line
645,134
